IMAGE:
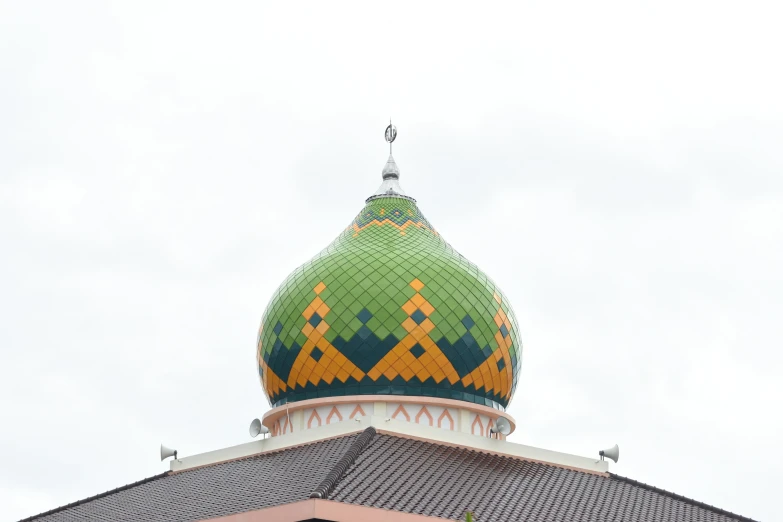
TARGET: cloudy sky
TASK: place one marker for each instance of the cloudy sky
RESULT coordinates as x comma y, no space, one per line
614,166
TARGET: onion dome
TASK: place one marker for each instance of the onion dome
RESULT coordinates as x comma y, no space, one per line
389,308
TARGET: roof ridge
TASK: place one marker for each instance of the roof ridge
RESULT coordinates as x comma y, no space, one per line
497,453
343,463
262,453
681,497
99,495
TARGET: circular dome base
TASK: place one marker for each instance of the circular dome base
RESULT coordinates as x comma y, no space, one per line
444,414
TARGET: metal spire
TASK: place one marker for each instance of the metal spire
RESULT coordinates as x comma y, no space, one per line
391,174
390,135
390,171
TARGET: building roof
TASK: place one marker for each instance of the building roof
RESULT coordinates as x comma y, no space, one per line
396,473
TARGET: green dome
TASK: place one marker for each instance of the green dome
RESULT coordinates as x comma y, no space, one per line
389,308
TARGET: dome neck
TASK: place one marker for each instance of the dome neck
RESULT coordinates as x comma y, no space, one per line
390,170
390,187
408,411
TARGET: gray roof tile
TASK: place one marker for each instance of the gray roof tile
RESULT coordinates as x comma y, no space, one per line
253,483
394,473
428,478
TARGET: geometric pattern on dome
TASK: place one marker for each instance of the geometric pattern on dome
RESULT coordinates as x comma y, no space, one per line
389,308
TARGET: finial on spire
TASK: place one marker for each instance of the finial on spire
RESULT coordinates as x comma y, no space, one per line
390,171
391,174
390,135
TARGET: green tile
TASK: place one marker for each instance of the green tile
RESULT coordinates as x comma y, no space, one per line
373,270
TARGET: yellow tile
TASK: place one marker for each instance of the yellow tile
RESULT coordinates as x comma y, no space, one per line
296,370
343,375
416,284
427,325
308,312
416,366
333,367
425,358
408,341
390,374
418,300
374,374
407,374
439,376
427,308
407,358
323,310
426,343
322,327
307,329
319,288
399,365
328,377
357,374
409,324
409,307
423,375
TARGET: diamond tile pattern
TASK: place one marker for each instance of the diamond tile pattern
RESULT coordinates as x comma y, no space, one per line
388,283
394,473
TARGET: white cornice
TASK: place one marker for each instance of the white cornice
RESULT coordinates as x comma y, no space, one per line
392,427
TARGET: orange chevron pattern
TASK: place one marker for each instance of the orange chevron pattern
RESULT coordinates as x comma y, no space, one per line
400,361
487,375
332,364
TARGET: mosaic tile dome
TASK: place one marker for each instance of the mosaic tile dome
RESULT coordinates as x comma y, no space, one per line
389,308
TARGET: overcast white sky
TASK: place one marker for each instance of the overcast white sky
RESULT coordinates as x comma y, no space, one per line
614,166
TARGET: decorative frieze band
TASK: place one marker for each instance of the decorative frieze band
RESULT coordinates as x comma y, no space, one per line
476,420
